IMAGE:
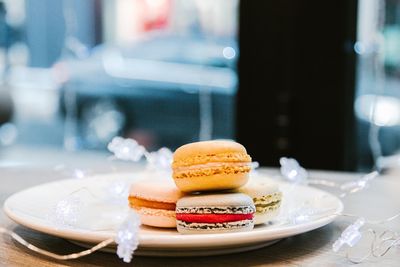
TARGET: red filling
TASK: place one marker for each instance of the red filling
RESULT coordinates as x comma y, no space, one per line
213,218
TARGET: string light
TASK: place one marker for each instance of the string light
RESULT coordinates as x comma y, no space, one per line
129,150
126,149
127,237
381,244
127,234
32,247
118,192
160,160
350,236
294,173
66,211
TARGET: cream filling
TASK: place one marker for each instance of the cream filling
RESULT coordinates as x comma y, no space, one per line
216,210
267,208
155,212
211,165
265,200
268,203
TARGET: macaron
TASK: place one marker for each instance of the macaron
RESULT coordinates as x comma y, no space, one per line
215,213
210,165
266,197
155,201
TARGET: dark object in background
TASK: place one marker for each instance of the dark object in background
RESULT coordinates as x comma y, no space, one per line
5,106
296,82
5,98
3,26
9,34
148,101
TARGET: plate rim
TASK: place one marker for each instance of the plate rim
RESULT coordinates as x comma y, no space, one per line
179,240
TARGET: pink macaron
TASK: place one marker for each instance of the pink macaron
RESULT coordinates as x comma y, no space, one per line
155,201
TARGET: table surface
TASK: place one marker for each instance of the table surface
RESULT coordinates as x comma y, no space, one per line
379,201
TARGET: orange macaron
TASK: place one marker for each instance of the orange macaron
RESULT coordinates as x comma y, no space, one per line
210,165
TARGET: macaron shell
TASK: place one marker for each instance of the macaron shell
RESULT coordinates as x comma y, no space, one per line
187,230
163,190
260,218
156,217
215,200
213,182
207,149
202,159
258,187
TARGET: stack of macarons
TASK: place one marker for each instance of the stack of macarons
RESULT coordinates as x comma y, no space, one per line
212,193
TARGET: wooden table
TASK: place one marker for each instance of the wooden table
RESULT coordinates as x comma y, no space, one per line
380,200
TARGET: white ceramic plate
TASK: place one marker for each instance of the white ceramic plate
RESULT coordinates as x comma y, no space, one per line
303,209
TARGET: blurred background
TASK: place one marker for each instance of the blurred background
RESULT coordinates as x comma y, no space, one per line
316,81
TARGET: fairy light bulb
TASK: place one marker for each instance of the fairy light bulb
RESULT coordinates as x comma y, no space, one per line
126,149
292,171
350,236
66,211
117,192
129,149
160,159
127,237
254,165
